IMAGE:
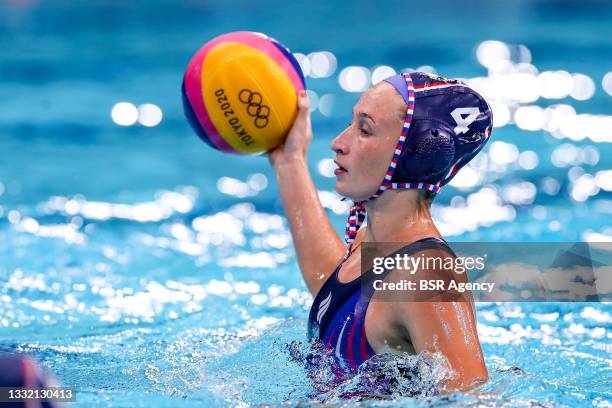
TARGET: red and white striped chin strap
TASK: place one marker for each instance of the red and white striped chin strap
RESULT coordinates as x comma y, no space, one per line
357,213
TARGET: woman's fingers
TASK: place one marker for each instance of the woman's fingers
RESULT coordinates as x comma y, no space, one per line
303,102
299,135
302,120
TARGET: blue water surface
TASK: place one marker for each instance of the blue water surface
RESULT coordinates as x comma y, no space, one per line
146,269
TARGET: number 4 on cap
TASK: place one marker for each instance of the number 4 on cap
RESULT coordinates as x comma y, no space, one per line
463,122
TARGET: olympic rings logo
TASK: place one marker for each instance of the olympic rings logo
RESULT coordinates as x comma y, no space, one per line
255,108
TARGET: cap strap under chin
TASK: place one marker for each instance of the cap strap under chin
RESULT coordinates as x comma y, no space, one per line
357,212
356,217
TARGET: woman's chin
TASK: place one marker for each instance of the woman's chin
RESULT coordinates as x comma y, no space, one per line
343,189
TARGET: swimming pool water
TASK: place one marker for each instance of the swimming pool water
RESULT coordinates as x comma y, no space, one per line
146,269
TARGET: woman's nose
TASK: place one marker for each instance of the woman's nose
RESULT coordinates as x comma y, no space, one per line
338,145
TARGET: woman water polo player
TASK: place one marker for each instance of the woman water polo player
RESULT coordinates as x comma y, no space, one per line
408,137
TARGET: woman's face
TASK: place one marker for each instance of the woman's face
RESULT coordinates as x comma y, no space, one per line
365,148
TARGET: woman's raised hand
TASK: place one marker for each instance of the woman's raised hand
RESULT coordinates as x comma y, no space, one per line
299,136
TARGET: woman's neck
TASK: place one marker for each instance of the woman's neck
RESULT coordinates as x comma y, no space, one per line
397,216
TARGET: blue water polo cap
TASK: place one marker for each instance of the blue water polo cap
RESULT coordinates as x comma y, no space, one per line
450,124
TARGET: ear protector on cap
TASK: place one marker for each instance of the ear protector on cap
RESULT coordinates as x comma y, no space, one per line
429,148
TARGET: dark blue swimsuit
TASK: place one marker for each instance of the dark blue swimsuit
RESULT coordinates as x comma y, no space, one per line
337,315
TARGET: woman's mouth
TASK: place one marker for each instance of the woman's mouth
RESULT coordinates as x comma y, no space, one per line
340,170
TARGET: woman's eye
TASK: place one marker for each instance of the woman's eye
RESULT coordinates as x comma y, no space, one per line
362,130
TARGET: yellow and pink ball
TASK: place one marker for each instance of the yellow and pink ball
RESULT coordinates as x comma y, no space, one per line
240,92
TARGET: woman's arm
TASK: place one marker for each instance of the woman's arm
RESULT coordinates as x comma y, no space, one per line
317,244
448,328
